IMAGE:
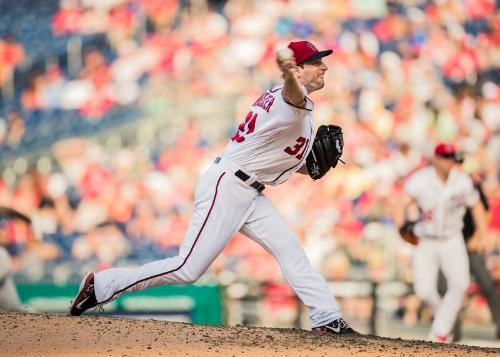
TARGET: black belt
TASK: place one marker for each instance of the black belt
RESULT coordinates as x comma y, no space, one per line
259,186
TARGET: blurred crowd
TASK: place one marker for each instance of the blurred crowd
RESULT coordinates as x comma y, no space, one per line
404,76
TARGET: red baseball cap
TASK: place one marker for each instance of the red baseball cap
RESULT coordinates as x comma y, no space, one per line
442,149
305,51
447,151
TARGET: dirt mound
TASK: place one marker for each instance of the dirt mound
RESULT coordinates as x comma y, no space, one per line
44,335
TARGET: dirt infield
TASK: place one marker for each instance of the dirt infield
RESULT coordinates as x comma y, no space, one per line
50,335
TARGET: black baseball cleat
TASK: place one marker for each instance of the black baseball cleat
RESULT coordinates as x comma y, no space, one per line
338,327
86,296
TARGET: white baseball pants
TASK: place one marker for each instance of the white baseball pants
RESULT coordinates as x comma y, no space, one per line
224,205
451,257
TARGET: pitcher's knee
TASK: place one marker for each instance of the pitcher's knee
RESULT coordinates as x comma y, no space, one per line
428,294
189,276
459,287
187,280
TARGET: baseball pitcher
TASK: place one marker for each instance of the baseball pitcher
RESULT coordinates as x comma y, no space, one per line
275,140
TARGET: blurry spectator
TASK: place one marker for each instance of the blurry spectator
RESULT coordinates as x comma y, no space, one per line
104,242
337,267
32,96
96,70
76,93
121,21
126,71
54,87
3,131
68,19
15,129
161,12
11,55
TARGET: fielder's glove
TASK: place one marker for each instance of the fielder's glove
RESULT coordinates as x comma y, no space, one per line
406,231
326,151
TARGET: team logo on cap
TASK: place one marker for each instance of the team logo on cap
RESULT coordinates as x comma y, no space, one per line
311,46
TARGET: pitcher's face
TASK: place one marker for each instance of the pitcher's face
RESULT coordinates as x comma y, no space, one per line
312,75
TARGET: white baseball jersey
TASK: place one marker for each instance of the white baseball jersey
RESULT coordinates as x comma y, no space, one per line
274,140
441,246
442,204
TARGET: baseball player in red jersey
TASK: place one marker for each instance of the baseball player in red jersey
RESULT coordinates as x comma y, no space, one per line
442,192
269,147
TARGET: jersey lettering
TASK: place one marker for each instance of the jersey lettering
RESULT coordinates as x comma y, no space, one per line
265,101
428,215
299,156
301,144
249,124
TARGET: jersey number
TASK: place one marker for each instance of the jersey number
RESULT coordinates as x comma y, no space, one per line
300,146
248,125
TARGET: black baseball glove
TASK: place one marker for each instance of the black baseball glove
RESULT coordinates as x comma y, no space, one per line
326,151
406,231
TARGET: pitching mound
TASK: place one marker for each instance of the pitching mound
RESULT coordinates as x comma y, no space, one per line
43,335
